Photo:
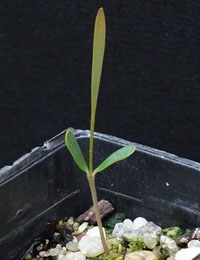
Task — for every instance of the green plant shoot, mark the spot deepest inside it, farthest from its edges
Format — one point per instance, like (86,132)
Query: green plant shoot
(70,140)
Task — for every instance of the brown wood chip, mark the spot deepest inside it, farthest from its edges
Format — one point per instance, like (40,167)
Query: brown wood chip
(105,208)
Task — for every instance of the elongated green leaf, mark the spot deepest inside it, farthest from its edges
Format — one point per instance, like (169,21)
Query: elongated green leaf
(98,54)
(117,156)
(75,150)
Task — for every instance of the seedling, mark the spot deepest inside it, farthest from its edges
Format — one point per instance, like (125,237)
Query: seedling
(70,140)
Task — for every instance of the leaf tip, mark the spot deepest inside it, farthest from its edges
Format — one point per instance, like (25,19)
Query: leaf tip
(67,132)
(68,135)
(101,9)
(100,13)
(133,148)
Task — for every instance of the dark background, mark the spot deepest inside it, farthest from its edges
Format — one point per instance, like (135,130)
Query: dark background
(150,91)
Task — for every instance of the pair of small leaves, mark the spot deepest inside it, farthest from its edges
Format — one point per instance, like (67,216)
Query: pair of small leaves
(77,155)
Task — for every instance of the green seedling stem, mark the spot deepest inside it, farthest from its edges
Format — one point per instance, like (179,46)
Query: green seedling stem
(70,140)
(97,62)
(91,180)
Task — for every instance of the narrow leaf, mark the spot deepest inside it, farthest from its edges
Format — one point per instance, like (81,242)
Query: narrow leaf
(98,54)
(117,156)
(75,150)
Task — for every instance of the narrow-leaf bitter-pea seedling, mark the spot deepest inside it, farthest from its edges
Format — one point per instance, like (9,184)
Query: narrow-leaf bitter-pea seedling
(70,140)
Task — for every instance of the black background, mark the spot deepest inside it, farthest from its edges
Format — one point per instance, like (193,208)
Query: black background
(150,89)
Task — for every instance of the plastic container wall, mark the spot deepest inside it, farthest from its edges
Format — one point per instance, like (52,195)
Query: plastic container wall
(46,185)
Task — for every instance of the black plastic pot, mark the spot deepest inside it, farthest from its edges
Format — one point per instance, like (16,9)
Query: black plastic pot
(45,184)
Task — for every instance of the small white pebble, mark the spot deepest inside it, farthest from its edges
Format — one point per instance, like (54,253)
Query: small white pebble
(116,230)
(139,222)
(140,255)
(72,246)
(187,253)
(194,243)
(82,227)
(73,256)
(60,257)
(150,241)
(90,246)
(169,244)
(127,223)
(44,254)
(94,232)
(55,251)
